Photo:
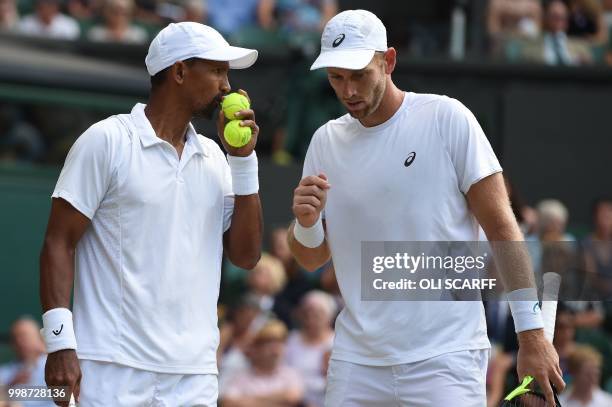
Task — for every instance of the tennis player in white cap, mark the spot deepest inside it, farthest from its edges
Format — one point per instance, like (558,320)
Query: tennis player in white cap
(142,211)
(403,166)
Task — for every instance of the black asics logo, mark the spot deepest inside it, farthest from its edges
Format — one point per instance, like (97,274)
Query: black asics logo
(410,159)
(338,40)
(56,332)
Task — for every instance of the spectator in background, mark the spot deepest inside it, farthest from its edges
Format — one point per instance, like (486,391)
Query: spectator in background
(525,215)
(584,364)
(586,21)
(245,319)
(229,17)
(554,47)
(82,10)
(29,367)
(194,10)
(304,15)
(19,140)
(9,16)
(565,337)
(298,282)
(266,280)
(553,215)
(267,382)
(521,18)
(308,348)
(48,22)
(597,248)
(118,25)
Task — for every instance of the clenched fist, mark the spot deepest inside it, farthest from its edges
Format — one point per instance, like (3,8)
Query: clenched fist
(309,199)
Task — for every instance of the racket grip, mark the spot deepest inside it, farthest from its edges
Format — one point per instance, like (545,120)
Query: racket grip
(550,294)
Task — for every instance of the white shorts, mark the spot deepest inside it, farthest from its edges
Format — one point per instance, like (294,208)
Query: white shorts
(451,379)
(107,384)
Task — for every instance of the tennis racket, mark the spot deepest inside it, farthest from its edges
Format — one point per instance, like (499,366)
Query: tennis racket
(526,394)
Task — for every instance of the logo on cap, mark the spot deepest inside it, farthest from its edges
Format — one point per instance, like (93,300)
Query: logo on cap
(338,40)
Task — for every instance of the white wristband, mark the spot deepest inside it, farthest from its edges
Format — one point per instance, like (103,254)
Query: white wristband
(525,309)
(58,331)
(244,170)
(311,237)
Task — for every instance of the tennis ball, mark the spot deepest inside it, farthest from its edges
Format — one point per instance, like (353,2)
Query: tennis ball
(234,102)
(237,135)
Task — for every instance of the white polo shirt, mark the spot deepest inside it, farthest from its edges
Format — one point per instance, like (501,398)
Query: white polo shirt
(148,267)
(403,180)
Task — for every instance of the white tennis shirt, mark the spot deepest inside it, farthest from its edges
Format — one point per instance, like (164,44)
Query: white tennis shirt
(376,196)
(148,267)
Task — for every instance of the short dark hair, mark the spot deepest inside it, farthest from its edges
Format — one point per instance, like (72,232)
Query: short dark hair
(159,78)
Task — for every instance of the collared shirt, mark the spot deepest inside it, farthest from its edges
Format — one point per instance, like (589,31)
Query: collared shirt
(556,51)
(148,267)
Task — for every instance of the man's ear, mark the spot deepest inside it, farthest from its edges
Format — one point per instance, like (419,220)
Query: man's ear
(390,57)
(177,72)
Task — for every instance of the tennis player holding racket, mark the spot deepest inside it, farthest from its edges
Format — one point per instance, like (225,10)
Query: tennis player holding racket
(403,166)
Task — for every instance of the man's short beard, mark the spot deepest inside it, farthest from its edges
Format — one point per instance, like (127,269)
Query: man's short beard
(378,92)
(209,110)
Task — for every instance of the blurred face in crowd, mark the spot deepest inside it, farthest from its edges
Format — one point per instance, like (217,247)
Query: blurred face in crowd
(117,13)
(588,375)
(267,354)
(315,316)
(243,317)
(205,82)
(564,329)
(26,339)
(47,10)
(360,91)
(279,245)
(603,218)
(7,13)
(556,17)
(260,279)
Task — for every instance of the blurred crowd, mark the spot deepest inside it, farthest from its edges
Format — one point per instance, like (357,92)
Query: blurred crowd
(137,21)
(552,32)
(545,32)
(276,322)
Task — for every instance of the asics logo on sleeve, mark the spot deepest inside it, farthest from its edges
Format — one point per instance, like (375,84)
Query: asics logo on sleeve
(56,332)
(410,159)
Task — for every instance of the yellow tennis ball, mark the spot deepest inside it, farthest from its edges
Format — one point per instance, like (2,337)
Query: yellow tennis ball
(234,102)
(237,135)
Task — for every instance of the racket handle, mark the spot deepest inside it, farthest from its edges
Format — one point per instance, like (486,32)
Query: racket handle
(550,294)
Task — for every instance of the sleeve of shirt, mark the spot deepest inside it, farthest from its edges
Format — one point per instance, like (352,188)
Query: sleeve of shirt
(311,160)
(468,147)
(228,194)
(87,171)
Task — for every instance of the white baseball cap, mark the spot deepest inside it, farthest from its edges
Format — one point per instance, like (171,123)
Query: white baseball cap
(181,41)
(350,40)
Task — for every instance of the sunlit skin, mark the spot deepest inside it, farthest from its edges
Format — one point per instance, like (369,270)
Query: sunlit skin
(368,94)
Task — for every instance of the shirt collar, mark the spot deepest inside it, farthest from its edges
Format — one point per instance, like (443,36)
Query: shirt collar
(147,135)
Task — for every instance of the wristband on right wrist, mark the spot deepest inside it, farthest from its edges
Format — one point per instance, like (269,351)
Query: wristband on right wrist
(311,237)
(525,309)
(58,331)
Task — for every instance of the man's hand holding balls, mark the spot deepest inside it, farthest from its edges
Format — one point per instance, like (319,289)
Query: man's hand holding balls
(241,131)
